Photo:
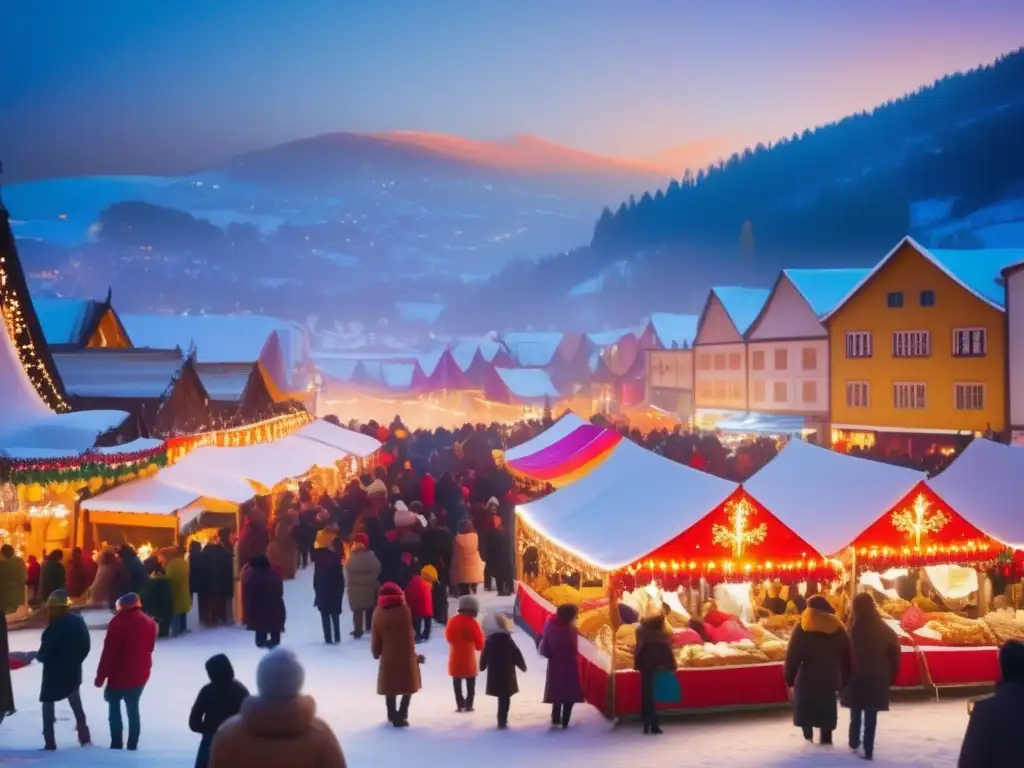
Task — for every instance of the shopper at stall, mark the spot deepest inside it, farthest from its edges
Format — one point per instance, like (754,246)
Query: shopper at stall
(278,727)
(304,534)
(219,559)
(13,578)
(559,644)
(124,667)
(362,572)
(993,732)
(818,665)
(135,570)
(500,659)
(63,648)
(465,640)
(282,551)
(393,643)
(157,599)
(467,565)
(653,655)
(111,581)
(876,662)
(263,595)
(329,588)
(181,592)
(52,575)
(33,573)
(217,701)
(79,576)
(500,563)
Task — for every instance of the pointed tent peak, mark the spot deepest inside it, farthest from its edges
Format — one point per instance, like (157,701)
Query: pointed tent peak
(110,297)
(447,375)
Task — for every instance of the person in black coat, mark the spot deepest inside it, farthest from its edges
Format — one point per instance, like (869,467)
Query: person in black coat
(876,662)
(263,595)
(499,557)
(329,589)
(198,577)
(52,575)
(818,665)
(499,659)
(220,564)
(653,654)
(993,732)
(217,701)
(137,575)
(63,647)
(304,534)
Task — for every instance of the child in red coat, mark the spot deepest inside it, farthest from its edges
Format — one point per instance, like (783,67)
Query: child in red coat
(419,598)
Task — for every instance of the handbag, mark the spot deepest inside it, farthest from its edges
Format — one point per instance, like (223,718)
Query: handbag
(666,687)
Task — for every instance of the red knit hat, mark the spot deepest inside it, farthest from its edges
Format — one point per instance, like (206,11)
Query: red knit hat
(390,595)
(362,540)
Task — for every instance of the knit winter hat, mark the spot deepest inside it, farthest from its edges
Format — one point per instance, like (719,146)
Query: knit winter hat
(497,623)
(469,604)
(429,573)
(390,595)
(58,599)
(377,486)
(279,675)
(493,502)
(128,601)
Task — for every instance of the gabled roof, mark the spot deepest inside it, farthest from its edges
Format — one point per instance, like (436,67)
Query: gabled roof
(528,383)
(225,382)
(978,271)
(68,322)
(217,338)
(534,350)
(823,289)
(674,331)
(118,373)
(607,338)
(741,306)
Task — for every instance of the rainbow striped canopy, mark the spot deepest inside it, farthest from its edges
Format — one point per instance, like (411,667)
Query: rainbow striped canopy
(569,458)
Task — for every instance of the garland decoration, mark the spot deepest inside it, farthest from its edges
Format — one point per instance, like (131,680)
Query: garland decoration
(116,467)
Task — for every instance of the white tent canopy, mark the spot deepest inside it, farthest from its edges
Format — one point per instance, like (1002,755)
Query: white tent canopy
(985,484)
(828,498)
(632,504)
(567,424)
(208,482)
(150,495)
(354,443)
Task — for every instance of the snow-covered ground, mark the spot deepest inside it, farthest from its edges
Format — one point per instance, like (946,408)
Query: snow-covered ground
(343,679)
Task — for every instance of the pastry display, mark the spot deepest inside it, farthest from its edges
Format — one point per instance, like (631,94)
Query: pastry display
(951,629)
(1005,625)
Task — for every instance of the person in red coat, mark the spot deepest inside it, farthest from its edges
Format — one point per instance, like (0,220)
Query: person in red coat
(263,595)
(427,496)
(419,598)
(125,666)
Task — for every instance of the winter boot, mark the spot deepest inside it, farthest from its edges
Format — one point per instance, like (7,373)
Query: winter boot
(84,737)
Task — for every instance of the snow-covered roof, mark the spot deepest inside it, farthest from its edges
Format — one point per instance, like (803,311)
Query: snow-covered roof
(586,517)
(354,443)
(341,369)
(64,321)
(118,373)
(151,495)
(217,338)
(534,349)
(829,498)
(743,305)
(675,331)
(568,423)
(464,350)
(985,484)
(528,383)
(422,312)
(66,433)
(977,271)
(225,383)
(823,289)
(607,338)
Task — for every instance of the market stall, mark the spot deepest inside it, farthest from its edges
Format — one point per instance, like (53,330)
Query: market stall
(925,563)
(644,535)
(578,453)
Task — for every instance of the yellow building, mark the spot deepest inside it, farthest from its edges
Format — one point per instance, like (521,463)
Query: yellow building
(918,346)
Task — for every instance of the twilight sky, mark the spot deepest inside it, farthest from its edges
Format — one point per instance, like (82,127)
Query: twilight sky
(149,85)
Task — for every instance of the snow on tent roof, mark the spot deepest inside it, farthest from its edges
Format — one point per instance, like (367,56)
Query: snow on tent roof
(675,331)
(568,423)
(355,443)
(217,338)
(424,312)
(134,446)
(985,484)
(533,350)
(980,270)
(829,498)
(114,373)
(823,289)
(528,383)
(743,305)
(464,350)
(151,495)
(63,320)
(586,517)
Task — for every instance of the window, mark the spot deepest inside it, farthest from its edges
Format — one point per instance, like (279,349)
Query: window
(858,343)
(894,300)
(759,390)
(809,360)
(735,390)
(781,359)
(703,362)
(809,392)
(908,395)
(757,360)
(927,298)
(969,397)
(720,390)
(911,344)
(970,342)
(735,361)
(705,391)
(720,361)
(857,394)
(779,392)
